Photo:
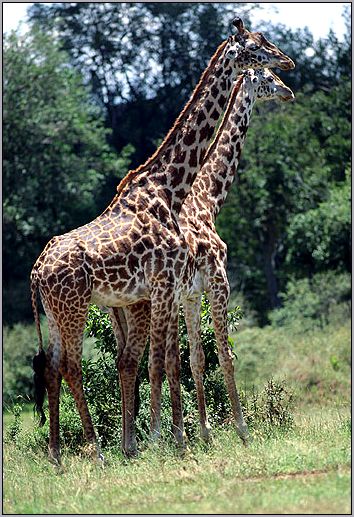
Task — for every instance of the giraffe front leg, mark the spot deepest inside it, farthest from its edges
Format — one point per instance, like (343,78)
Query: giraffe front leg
(192,309)
(219,297)
(173,365)
(164,345)
(138,320)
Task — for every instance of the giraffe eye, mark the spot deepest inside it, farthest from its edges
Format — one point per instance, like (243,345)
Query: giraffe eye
(270,80)
(253,47)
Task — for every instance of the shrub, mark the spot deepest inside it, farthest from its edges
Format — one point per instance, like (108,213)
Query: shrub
(19,348)
(268,409)
(271,407)
(311,302)
(102,390)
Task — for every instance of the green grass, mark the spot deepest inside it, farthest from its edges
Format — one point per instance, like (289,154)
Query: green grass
(304,470)
(316,364)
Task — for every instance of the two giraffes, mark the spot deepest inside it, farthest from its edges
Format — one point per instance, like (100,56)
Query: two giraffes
(155,247)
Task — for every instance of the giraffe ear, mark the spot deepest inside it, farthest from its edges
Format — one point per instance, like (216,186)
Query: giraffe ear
(238,23)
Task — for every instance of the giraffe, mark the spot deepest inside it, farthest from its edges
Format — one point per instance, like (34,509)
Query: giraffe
(197,222)
(134,250)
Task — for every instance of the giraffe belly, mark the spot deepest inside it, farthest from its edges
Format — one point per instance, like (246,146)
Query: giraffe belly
(110,297)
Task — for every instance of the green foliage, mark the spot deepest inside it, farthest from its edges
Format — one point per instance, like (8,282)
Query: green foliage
(142,60)
(309,302)
(56,157)
(101,385)
(18,350)
(99,326)
(102,390)
(319,239)
(266,409)
(291,204)
(287,216)
(269,409)
(14,429)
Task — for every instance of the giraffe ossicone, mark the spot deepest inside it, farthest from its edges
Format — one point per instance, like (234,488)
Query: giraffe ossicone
(134,252)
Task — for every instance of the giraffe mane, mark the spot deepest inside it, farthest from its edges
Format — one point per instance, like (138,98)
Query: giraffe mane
(225,118)
(134,172)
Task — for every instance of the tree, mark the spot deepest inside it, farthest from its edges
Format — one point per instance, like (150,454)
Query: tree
(141,60)
(140,63)
(319,239)
(293,164)
(56,158)
(287,216)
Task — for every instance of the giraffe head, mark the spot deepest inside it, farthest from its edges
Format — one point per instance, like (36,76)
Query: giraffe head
(267,85)
(253,50)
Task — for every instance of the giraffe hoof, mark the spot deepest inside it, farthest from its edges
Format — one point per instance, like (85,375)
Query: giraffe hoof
(101,460)
(206,435)
(54,457)
(244,434)
(131,454)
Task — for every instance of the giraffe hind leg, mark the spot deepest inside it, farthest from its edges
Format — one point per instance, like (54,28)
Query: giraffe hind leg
(164,353)
(52,382)
(172,366)
(71,334)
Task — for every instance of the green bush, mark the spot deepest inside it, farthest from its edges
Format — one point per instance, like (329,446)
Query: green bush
(269,407)
(103,393)
(102,389)
(314,302)
(20,343)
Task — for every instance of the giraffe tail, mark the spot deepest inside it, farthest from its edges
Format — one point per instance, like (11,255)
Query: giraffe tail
(39,360)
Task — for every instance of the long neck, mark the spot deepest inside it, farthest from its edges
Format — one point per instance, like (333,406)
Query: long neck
(171,171)
(215,178)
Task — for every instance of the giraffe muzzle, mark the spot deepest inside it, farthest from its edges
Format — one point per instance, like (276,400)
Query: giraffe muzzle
(287,64)
(288,96)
